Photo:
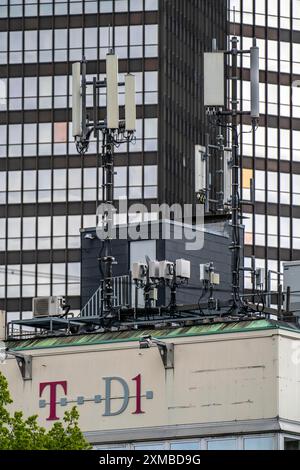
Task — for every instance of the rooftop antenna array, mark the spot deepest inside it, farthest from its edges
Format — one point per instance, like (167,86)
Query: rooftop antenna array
(113,131)
(210,279)
(152,274)
(52,314)
(228,119)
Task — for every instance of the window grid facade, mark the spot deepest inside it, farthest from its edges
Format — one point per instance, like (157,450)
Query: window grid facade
(258,442)
(47,191)
(271,155)
(247,442)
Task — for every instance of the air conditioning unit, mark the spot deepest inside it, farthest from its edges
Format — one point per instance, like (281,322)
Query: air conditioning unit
(48,306)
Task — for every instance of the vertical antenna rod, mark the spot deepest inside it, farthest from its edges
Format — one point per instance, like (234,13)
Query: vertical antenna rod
(235,179)
(108,259)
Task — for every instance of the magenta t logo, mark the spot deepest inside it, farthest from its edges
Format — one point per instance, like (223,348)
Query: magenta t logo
(113,403)
(53,387)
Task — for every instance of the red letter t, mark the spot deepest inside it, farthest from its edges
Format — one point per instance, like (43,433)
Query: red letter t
(53,385)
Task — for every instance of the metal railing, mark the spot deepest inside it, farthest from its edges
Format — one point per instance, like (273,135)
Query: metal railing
(122,287)
(19,333)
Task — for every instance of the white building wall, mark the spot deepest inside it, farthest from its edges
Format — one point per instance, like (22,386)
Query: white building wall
(217,380)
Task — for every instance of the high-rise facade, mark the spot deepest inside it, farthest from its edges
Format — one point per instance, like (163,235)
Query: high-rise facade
(271,155)
(48,192)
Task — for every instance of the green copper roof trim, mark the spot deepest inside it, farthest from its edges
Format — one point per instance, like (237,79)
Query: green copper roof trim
(133,336)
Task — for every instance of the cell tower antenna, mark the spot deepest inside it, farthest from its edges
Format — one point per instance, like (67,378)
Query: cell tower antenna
(214,79)
(114,132)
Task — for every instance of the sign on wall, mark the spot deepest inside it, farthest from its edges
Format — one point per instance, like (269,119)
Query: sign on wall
(60,395)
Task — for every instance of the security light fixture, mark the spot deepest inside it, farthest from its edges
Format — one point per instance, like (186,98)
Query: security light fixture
(89,236)
(24,363)
(166,350)
(145,342)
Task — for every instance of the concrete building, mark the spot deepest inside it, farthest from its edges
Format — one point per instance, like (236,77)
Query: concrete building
(231,385)
(213,242)
(271,155)
(207,383)
(48,193)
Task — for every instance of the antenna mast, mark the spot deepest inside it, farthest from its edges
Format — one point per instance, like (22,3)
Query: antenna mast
(114,132)
(214,101)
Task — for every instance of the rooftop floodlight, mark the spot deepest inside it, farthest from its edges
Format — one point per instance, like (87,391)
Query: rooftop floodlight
(24,362)
(130,105)
(166,350)
(76,100)
(112,91)
(89,236)
(145,342)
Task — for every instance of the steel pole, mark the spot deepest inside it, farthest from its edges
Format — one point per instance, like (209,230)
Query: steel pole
(107,155)
(235,179)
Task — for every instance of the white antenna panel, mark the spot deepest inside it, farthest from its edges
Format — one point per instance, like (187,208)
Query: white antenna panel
(130,106)
(214,79)
(254,73)
(112,91)
(76,100)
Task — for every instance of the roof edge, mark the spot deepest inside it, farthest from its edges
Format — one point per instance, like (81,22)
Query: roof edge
(271,325)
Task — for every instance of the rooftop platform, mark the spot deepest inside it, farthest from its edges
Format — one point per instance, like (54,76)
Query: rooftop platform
(89,339)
